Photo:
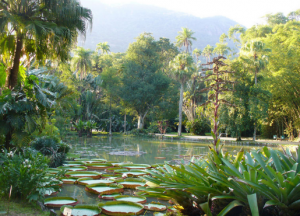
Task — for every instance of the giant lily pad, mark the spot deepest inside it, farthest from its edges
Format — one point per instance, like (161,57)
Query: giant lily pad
(121,208)
(60,201)
(109,196)
(99,165)
(104,189)
(74,168)
(82,210)
(88,181)
(135,166)
(82,174)
(114,169)
(137,199)
(155,207)
(132,173)
(69,180)
(53,170)
(111,176)
(51,192)
(73,163)
(131,183)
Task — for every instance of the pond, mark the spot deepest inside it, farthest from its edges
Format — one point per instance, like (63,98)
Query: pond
(138,151)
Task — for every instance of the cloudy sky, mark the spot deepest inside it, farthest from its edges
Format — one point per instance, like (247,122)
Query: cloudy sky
(245,12)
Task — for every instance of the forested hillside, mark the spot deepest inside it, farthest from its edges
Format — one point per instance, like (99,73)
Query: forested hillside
(119,25)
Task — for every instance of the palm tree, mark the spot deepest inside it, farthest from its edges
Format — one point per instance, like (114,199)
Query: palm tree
(256,49)
(42,27)
(182,68)
(82,61)
(207,52)
(221,49)
(197,53)
(104,47)
(185,38)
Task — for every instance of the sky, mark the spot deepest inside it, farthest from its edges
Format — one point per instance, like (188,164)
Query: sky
(245,12)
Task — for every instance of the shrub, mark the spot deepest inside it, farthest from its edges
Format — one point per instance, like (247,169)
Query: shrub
(139,132)
(198,126)
(25,171)
(53,148)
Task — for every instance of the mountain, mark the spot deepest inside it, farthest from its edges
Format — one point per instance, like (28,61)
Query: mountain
(119,25)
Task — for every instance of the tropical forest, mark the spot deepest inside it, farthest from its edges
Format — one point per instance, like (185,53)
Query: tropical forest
(189,116)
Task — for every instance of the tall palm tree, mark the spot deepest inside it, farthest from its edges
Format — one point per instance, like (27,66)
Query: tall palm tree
(208,52)
(182,68)
(197,53)
(221,49)
(104,47)
(257,50)
(82,61)
(44,27)
(185,38)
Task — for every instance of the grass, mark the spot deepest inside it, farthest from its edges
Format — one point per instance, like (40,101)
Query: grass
(20,208)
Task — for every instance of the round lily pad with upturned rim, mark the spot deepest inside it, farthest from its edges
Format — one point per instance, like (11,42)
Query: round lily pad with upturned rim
(60,201)
(131,183)
(108,176)
(53,170)
(82,210)
(88,181)
(137,199)
(101,166)
(155,207)
(74,168)
(73,163)
(104,189)
(82,174)
(136,166)
(51,192)
(109,196)
(113,169)
(116,208)
(69,180)
(131,173)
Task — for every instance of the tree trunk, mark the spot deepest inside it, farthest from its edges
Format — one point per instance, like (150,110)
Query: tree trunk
(110,123)
(255,76)
(12,78)
(125,123)
(180,110)
(8,138)
(254,133)
(140,122)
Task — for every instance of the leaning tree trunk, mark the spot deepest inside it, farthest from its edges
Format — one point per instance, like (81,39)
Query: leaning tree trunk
(140,122)
(180,110)
(12,78)
(254,133)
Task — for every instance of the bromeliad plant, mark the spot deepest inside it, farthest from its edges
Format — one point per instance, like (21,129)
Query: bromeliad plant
(263,182)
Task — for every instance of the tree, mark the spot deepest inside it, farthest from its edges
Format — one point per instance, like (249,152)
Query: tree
(256,49)
(221,49)
(142,80)
(185,39)
(103,47)
(82,61)
(182,68)
(43,28)
(207,52)
(197,53)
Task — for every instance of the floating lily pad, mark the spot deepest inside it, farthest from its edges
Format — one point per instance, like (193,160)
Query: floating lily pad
(111,176)
(88,181)
(114,169)
(69,180)
(82,174)
(53,170)
(101,166)
(121,208)
(82,210)
(52,182)
(60,201)
(133,173)
(74,168)
(155,207)
(135,166)
(131,183)
(158,214)
(109,196)
(104,189)
(116,164)
(98,160)
(137,199)
(157,165)
(73,163)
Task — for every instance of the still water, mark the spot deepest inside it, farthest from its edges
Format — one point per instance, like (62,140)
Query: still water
(135,150)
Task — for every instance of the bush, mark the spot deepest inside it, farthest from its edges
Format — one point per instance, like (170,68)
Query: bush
(198,126)
(53,148)
(25,171)
(139,132)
